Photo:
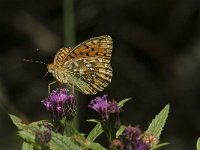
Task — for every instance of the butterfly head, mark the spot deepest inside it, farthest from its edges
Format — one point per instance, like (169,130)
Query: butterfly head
(51,68)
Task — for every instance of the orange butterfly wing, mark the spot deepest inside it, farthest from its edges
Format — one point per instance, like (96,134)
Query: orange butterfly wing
(86,66)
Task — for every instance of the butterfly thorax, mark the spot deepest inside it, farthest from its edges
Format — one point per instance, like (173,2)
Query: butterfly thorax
(56,68)
(58,72)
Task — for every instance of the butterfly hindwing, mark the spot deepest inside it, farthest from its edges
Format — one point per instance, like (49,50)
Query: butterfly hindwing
(89,75)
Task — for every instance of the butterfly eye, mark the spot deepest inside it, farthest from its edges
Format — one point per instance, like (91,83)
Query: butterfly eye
(50,68)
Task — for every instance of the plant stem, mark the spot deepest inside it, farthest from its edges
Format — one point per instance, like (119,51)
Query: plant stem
(69,34)
(69,22)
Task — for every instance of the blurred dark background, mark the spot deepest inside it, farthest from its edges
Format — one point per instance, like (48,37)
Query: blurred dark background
(156,61)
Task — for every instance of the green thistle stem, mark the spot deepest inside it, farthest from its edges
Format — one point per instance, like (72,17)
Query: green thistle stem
(69,35)
(69,23)
(110,131)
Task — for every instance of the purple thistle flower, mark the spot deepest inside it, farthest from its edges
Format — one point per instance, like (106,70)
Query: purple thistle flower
(134,138)
(60,104)
(132,133)
(106,109)
(109,112)
(142,146)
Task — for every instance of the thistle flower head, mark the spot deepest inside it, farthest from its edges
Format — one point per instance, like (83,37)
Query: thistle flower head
(109,112)
(132,133)
(105,108)
(60,104)
(149,139)
(117,144)
(134,138)
(43,138)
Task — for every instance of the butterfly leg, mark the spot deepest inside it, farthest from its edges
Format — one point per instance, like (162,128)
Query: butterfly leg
(49,86)
(61,85)
(73,88)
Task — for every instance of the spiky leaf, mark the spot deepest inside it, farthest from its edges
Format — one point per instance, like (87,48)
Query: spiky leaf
(93,120)
(17,121)
(122,102)
(27,146)
(59,142)
(28,133)
(158,122)
(120,131)
(155,147)
(29,138)
(95,132)
(95,146)
(198,144)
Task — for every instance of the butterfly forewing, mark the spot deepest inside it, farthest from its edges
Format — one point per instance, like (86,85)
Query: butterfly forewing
(86,66)
(99,46)
(59,59)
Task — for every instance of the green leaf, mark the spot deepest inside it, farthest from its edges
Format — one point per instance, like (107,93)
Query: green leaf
(27,133)
(59,142)
(159,146)
(198,144)
(121,103)
(29,138)
(17,121)
(27,146)
(39,123)
(70,130)
(96,131)
(37,126)
(93,120)
(95,146)
(158,122)
(120,131)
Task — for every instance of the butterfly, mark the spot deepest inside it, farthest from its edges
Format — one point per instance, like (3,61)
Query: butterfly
(85,67)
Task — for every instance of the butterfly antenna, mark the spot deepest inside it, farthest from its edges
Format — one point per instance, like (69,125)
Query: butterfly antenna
(31,61)
(45,74)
